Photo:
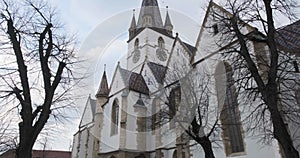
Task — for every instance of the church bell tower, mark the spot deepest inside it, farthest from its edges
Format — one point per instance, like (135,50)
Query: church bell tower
(149,37)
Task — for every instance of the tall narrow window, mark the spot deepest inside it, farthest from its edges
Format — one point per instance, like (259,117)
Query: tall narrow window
(115,117)
(154,115)
(174,100)
(136,44)
(230,115)
(215,29)
(175,154)
(296,66)
(161,53)
(161,43)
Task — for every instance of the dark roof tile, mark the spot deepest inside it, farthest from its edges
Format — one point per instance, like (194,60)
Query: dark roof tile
(134,81)
(158,71)
(288,38)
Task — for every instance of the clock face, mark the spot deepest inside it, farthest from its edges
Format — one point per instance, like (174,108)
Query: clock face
(161,54)
(136,56)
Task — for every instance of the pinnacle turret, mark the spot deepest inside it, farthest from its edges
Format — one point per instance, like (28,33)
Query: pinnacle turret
(103,90)
(168,24)
(132,29)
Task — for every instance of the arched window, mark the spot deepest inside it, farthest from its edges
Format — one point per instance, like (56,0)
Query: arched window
(161,43)
(136,44)
(230,114)
(115,117)
(174,100)
(154,115)
(175,154)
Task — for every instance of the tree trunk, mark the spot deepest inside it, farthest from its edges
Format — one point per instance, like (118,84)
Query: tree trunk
(26,142)
(280,130)
(283,137)
(24,152)
(206,146)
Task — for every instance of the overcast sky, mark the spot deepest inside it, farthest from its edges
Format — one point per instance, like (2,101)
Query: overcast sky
(101,26)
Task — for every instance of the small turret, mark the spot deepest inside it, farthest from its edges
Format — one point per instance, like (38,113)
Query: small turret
(168,24)
(103,90)
(132,29)
(102,98)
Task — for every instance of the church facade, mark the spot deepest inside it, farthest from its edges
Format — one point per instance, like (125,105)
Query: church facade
(131,116)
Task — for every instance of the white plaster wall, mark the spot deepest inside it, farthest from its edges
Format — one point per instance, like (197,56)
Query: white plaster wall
(75,145)
(131,141)
(90,145)
(82,147)
(168,137)
(110,142)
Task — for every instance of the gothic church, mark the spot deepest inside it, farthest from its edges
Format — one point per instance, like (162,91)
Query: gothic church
(126,118)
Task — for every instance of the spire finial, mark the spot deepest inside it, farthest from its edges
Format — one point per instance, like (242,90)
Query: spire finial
(104,67)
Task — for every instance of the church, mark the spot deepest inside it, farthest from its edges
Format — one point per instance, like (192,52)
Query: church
(145,111)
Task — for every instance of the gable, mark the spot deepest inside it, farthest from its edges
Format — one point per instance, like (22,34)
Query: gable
(88,113)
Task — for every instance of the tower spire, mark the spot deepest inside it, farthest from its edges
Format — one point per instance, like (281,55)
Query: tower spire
(168,24)
(103,90)
(147,3)
(150,15)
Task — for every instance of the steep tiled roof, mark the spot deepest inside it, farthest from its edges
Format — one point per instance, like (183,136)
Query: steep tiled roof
(288,38)
(134,81)
(125,74)
(158,71)
(138,84)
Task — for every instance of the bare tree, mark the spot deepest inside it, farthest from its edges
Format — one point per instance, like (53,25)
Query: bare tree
(36,71)
(265,77)
(186,103)
(8,138)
